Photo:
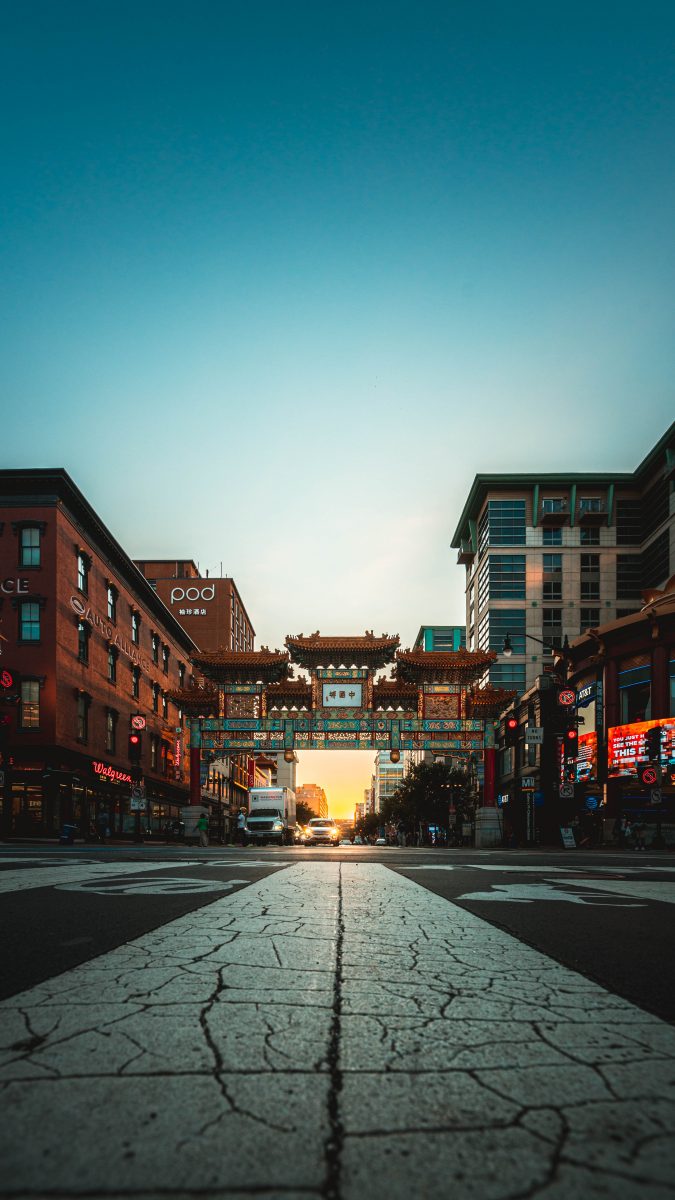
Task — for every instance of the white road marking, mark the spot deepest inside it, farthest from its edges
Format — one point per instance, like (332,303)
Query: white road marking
(464,1056)
(21,881)
(640,889)
(531,893)
(150,887)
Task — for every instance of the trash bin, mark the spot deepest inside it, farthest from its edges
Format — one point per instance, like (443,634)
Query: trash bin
(68,835)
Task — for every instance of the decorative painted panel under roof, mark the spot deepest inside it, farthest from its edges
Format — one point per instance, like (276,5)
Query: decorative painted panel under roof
(244,666)
(443,666)
(366,651)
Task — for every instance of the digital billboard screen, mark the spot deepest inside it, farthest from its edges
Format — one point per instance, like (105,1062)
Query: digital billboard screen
(626,746)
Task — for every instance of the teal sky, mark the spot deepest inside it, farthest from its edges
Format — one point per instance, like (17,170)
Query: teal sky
(278,279)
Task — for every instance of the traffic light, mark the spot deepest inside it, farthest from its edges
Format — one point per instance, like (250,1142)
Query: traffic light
(511,731)
(135,747)
(572,742)
(653,743)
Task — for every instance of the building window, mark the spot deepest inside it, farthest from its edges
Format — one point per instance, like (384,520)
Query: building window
(628,523)
(135,628)
(589,535)
(552,625)
(136,682)
(155,648)
(508,675)
(165,659)
(112,664)
(29,546)
(552,536)
(153,752)
(496,624)
(110,730)
(625,612)
(635,693)
(163,758)
(628,577)
(83,635)
(590,504)
(29,709)
(590,576)
(83,702)
(553,504)
(83,568)
(165,706)
(502,524)
(655,507)
(181,674)
(29,621)
(656,561)
(155,697)
(112,603)
(552,577)
(506,575)
(589,619)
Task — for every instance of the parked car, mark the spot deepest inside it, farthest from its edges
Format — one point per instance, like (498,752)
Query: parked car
(380,841)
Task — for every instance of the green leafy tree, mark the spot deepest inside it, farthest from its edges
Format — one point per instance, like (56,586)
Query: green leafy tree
(303,813)
(369,825)
(425,796)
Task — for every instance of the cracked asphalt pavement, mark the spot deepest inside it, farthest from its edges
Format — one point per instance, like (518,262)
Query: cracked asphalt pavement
(332,1027)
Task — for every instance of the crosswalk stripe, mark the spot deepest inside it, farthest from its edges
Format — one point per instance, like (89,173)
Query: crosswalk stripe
(336,1012)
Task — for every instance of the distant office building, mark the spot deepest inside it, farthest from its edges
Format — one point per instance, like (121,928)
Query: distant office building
(314,797)
(388,777)
(210,609)
(285,772)
(441,637)
(549,556)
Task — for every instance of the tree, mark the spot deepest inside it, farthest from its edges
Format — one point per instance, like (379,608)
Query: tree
(303,813)
(368,826)
(425,796)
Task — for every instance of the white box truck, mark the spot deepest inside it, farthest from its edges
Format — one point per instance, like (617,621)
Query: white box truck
(271,816)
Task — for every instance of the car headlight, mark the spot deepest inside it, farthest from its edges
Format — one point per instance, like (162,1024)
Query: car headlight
(278,825)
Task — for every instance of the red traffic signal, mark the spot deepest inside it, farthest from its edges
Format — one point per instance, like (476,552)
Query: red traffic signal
(511,730)
(571,743)
(7,679)
(135,747)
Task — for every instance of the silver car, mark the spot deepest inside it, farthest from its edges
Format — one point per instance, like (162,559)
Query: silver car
(322,831)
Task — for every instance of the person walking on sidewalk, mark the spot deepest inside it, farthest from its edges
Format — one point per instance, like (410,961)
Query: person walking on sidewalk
(203,827)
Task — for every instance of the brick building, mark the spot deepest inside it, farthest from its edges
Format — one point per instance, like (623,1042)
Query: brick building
(210,609)
(90,643)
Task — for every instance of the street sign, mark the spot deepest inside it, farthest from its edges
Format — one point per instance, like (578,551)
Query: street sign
(527,783)
(137,802)
(567,836)
(648,775)
(567,697)
(138,721)
(567,791)
(534,735)
(655,796)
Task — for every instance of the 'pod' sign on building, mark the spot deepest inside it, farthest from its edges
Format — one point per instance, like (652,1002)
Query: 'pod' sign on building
(202,606)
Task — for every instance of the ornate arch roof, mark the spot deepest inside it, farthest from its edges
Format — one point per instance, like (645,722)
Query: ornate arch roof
(366,651)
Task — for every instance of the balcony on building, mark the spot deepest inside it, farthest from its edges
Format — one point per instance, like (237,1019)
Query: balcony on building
(466,553)
(554,511)
(591,510)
